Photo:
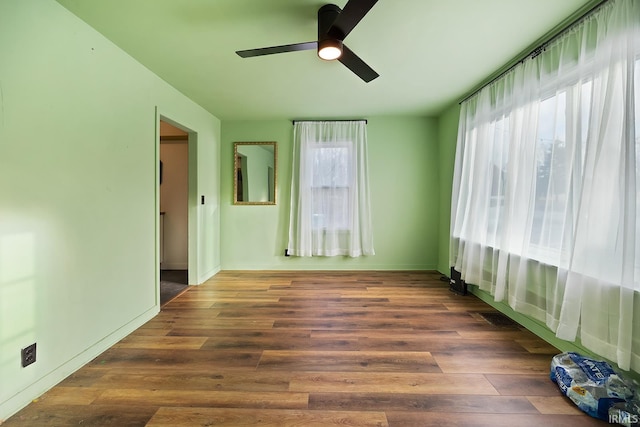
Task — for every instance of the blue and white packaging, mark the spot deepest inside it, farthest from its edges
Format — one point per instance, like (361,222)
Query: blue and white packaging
(594,386)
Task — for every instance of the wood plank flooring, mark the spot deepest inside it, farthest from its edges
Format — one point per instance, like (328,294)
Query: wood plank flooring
(315,349)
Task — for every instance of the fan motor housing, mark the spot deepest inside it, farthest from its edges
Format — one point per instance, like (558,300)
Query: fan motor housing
(327,15)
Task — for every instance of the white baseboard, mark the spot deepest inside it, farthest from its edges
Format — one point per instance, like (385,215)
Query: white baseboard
(208,275)
(301,264)
(42,385)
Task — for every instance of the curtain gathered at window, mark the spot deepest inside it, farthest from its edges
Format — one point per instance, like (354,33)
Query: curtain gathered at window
(330,213)
(546,192)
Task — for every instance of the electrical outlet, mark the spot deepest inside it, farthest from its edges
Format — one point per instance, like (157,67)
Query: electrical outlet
(28,355)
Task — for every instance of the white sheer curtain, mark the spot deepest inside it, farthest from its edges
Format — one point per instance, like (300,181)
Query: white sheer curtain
(330,212)
(546,198)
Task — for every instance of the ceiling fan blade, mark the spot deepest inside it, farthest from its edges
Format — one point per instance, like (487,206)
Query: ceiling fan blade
(357,65)
(351,14)
(277,49)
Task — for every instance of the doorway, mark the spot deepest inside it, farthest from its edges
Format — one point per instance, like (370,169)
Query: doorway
(174,210)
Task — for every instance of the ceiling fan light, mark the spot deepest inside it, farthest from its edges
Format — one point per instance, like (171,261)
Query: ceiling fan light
(329,49)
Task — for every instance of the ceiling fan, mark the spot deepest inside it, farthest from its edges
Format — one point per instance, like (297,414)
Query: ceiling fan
(334,25)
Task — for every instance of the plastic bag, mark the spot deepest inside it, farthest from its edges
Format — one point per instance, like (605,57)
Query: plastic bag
(596,388)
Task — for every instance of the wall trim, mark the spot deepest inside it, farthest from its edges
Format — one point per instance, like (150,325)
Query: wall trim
(174,138)
(542,331)
(333,267)
(174,266)
(208,275)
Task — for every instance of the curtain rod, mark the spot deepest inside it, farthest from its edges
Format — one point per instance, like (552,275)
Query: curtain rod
(341,120)
(541,44)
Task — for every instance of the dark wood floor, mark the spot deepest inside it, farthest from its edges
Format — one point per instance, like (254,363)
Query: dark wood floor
(315,349)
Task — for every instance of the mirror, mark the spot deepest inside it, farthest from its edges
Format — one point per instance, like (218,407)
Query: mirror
(254,173)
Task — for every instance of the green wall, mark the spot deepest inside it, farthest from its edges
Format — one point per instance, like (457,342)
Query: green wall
(404,177)
(78,194)
(447,139)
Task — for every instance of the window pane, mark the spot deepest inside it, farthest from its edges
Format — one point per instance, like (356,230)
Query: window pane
(330,207)
(331,182)
(499,161)
(552,165)
(330,166)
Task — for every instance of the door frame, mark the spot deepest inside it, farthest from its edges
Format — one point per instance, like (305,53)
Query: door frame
(192,199)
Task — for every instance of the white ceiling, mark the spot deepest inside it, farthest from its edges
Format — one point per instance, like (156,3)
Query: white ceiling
(429,53)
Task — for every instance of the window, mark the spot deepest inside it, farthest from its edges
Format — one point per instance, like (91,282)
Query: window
(546,200)
(330,190)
